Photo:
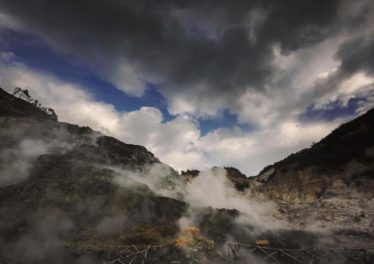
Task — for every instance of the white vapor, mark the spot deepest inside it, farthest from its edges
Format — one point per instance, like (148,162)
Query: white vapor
(16,162)
(211,188)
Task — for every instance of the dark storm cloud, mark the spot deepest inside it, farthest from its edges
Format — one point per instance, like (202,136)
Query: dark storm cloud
(296,24)
(182,44)
(357,55)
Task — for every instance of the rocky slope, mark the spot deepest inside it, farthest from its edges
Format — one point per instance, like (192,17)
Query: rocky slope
(330,184)
(67,186)
(342,161)
(69,194)
(22,105)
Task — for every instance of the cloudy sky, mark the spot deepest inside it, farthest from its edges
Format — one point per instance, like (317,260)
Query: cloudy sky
(199,83)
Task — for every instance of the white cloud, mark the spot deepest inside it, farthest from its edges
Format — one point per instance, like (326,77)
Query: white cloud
(252,151)
(359,85)
(7,21)
(177,142)
(291,88)
(172,141)
(196,100)
(127,78)
(366,105)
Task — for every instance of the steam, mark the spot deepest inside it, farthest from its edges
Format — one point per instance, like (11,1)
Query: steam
(16,162)
(158,177)
(207,193)
(112,225)
(211,188)
(43,241)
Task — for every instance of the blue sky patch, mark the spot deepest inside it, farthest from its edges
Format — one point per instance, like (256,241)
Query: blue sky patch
(332,111)
(224,120)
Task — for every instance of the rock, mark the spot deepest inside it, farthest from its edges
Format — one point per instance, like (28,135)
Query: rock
(21,104)
(339,165)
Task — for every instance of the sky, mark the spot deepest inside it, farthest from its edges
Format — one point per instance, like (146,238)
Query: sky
(199,83)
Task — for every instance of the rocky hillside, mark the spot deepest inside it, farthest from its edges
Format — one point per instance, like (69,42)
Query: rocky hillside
(342,161)
(330,184)
(69,194)
(64,186)
(21,104)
